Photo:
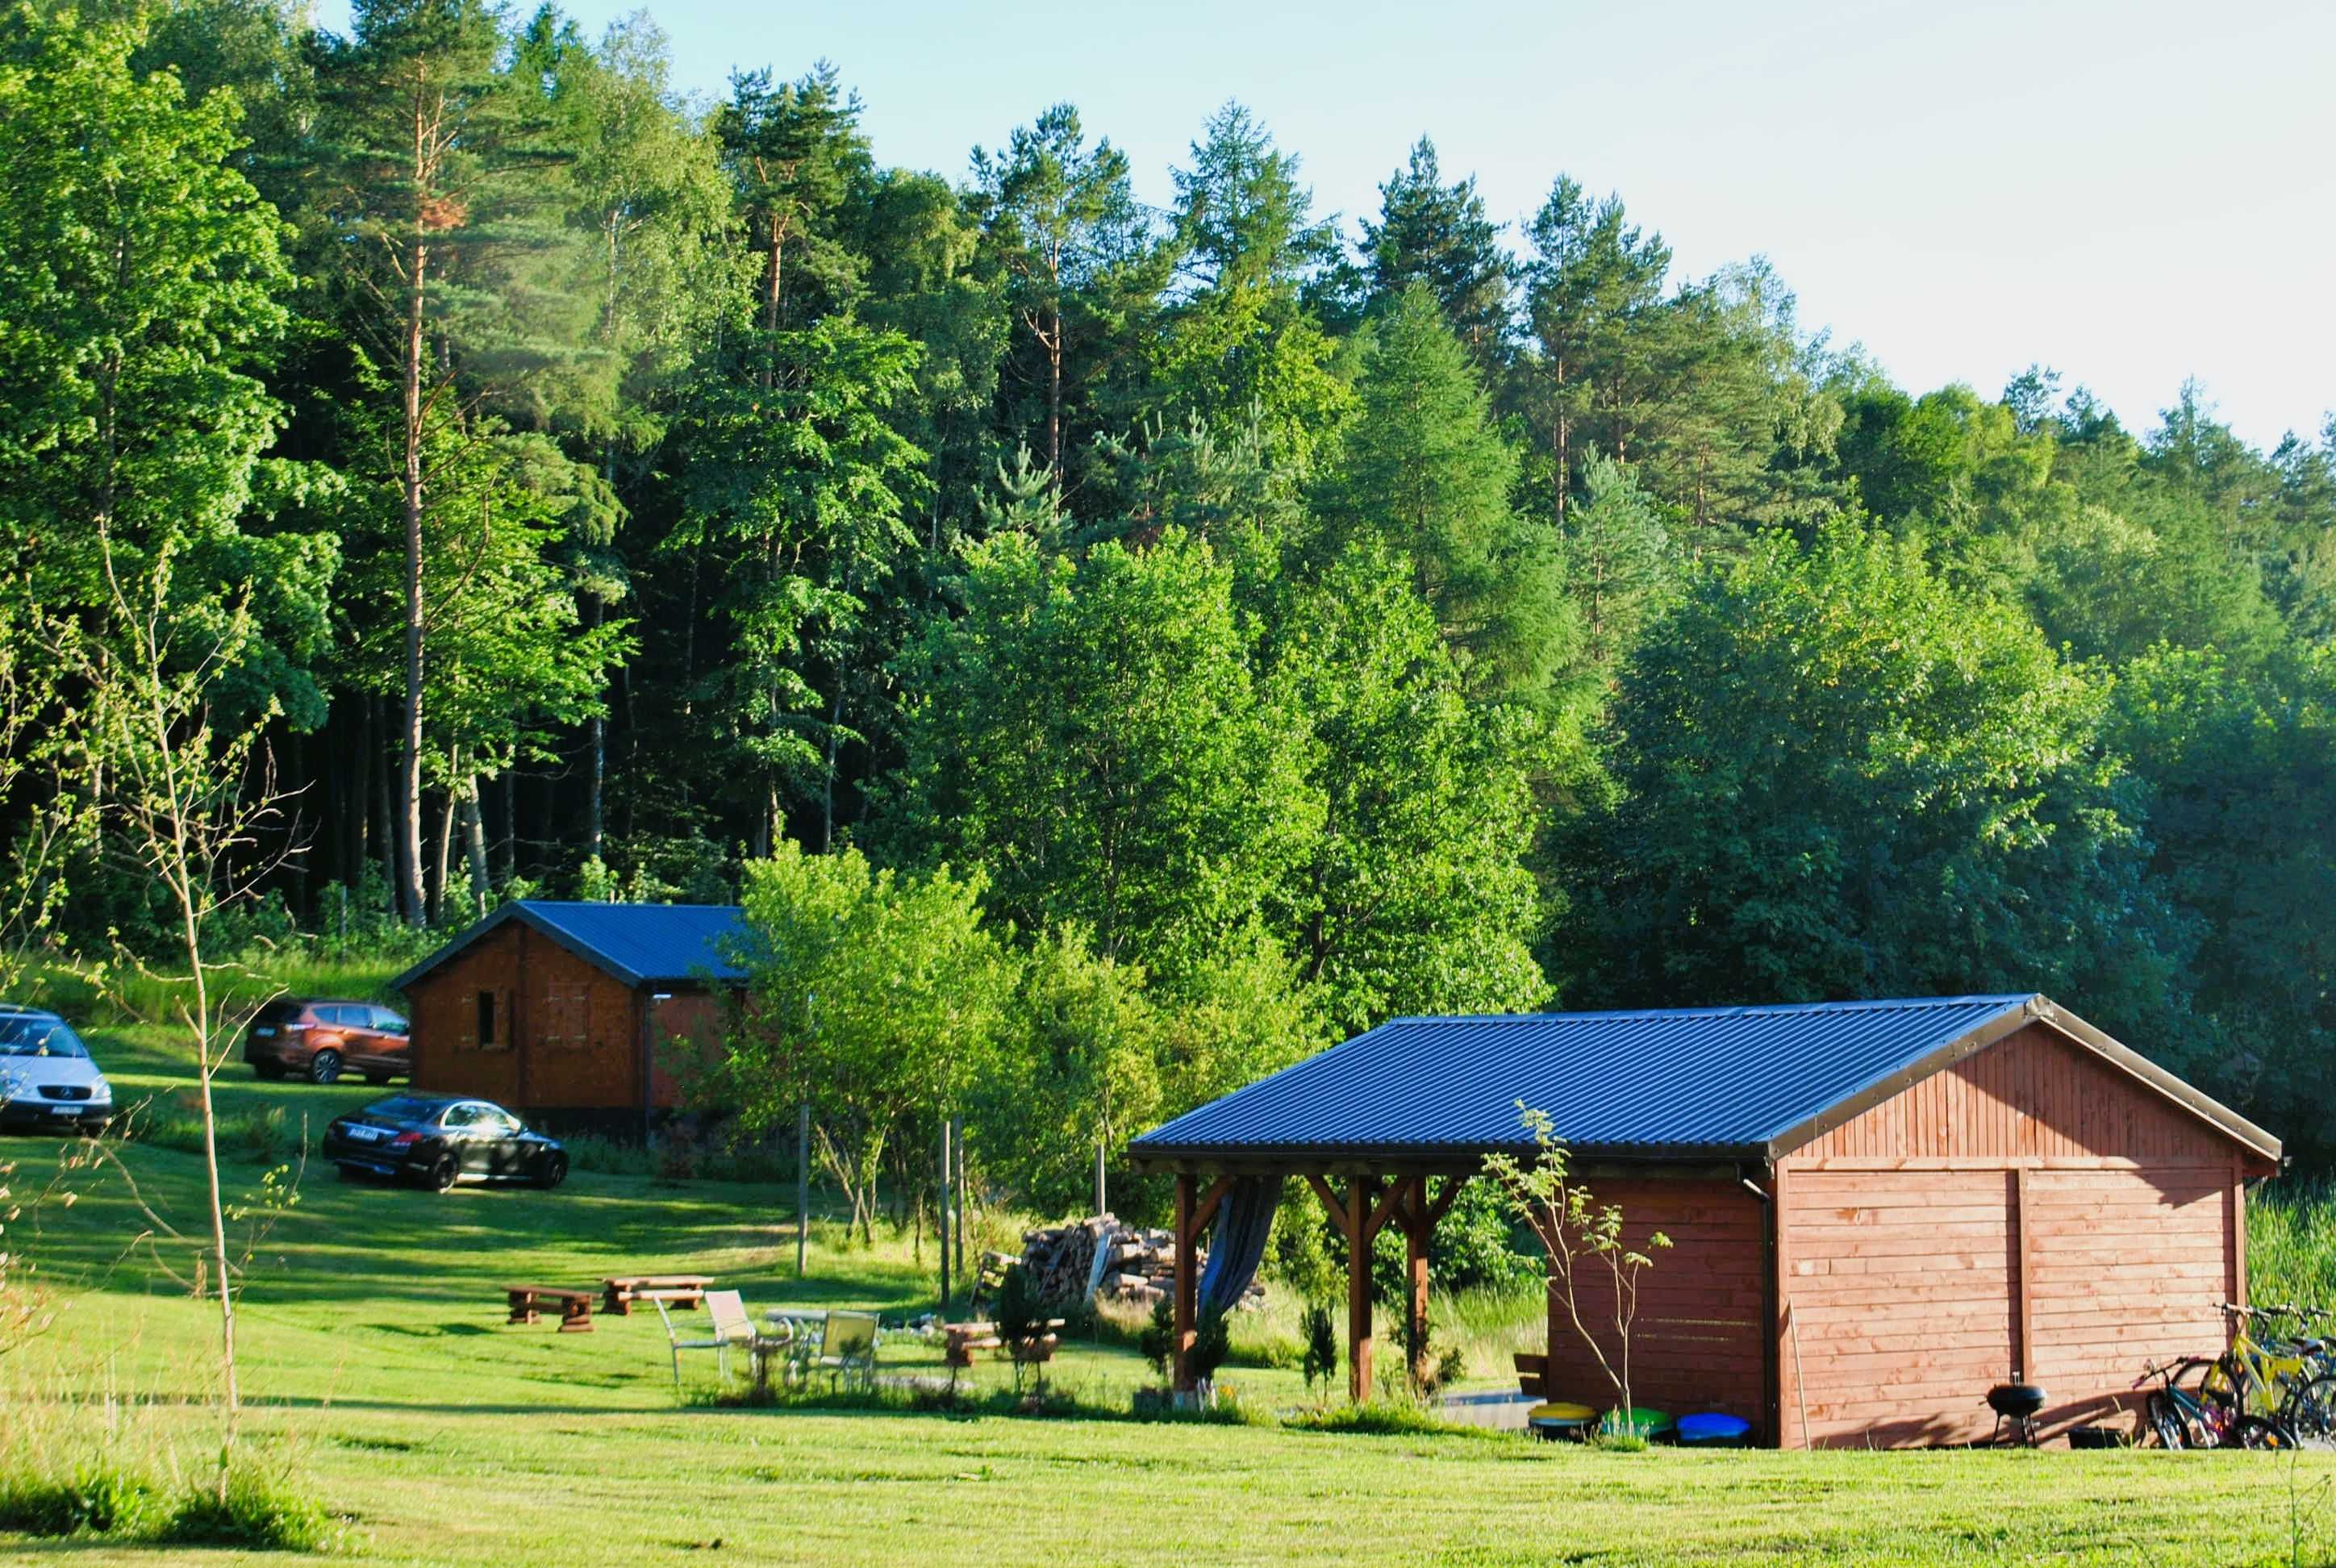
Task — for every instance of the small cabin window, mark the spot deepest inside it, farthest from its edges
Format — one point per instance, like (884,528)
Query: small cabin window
(486,1021)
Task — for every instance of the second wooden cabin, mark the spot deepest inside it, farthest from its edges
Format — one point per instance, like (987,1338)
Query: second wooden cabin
(567,1011)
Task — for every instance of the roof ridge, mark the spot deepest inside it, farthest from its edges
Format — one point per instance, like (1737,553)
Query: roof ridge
(612,904)
(1737,1009)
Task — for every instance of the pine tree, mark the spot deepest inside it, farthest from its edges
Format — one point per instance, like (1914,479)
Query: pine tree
(1425,470)
(794,152)
(1616,558)
(1062,218)
(1438,234)
(646,194)
(434,195)
(1240,346)
(1592,282)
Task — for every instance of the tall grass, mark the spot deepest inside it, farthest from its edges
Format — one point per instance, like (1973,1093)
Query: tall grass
(80,1462)
(92,993)
(2291,1242)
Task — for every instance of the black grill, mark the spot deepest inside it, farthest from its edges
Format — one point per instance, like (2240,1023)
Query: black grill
(65,1091)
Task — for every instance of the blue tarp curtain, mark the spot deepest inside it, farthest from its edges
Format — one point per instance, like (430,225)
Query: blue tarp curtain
(1237,1245)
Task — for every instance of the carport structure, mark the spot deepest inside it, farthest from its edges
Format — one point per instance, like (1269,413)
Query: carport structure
(1877,1209)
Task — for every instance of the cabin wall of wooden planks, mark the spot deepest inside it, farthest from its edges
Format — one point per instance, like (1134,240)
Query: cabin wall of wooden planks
(1697,1342)
(566,1034)
(2030,1211)
(685,1036)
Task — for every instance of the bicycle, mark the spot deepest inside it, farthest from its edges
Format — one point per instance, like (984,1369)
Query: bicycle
(2286,1379)
(2186,1418)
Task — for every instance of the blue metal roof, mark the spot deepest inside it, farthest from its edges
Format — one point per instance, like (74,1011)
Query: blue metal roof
(641,944)
(1711,1081)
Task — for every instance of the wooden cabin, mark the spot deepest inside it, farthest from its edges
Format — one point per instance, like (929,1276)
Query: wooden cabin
(569,1012)
(1877,1209)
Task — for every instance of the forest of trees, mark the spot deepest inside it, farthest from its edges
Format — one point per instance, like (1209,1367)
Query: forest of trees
(1273,623)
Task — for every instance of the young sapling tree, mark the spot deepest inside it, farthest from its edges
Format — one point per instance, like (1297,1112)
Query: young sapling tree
(1589,1261)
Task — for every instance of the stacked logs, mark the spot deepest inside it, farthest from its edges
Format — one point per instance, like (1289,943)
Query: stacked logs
(1099,1257)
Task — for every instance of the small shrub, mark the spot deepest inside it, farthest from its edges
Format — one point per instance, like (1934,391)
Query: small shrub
(95,1498)
(608,1157)
(263,1139)
(1321,1344)
(1158,1341)
(1387,1418)
(1212,1343)
(257,1511)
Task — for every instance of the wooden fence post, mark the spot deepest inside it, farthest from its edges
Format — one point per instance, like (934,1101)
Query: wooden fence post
(802,1186)
(943,1230)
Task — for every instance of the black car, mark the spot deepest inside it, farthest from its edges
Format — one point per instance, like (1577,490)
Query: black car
(437,1141)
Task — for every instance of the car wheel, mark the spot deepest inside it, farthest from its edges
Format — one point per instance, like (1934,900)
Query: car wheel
(555,1171)
(325,1067)
(442,1172)
(272,1072)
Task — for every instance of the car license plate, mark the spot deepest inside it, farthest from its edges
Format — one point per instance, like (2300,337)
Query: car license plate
(65,1110)
(364,1134)
(266,1032)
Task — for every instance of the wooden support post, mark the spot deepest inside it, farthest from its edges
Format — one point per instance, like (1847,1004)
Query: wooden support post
(2234,1241)
(1359,1288)
(1788,1382)
(1188,1282)
(1419,1226)
(2024,1367)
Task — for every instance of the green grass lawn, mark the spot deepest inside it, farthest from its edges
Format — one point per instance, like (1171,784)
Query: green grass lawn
(381,1373)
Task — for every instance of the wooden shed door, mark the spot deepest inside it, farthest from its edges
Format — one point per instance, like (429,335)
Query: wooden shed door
(1903,1310)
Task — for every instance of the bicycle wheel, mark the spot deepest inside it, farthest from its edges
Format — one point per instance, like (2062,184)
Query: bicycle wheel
(2165,1421)
(2310,1411)
(2264,1436)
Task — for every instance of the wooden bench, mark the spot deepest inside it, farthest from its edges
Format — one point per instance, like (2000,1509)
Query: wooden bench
(575,1306)
(687,1291)
(1532,1375)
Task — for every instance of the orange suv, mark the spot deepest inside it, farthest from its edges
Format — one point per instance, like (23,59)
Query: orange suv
(320,1040)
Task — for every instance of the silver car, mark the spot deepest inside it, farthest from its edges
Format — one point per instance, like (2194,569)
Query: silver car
(46,1077)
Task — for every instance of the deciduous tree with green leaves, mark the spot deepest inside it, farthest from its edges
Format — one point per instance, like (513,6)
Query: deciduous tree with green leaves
(1413,895)
(874,997)
(145,282)
(1089,730)
(1836,777)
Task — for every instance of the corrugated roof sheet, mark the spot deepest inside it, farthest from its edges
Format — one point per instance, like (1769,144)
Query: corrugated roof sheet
(641,944)
(1709,1080)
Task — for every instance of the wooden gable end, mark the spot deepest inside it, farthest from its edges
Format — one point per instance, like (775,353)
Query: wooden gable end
(2033,1095)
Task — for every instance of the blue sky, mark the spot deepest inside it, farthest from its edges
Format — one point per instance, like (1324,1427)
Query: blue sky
(2130,192)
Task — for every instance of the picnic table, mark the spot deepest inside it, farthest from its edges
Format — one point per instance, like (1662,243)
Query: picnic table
(687,1291)
(575,1306)
(962,1339)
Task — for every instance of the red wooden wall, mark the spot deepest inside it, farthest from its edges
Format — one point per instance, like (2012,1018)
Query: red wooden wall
(567,1034)
(2030,1211)
(1696,1344)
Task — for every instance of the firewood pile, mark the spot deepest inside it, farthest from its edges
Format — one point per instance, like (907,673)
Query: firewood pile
(1095,1257)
